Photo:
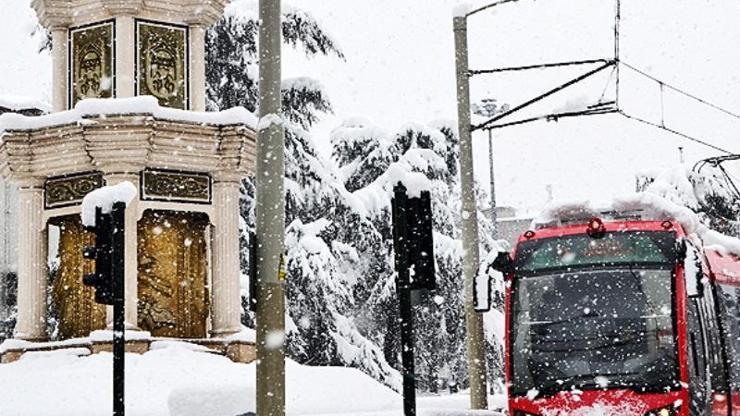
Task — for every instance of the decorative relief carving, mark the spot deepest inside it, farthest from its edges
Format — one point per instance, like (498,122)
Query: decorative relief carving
(176,186)
(92,69)
(69,190)
(162,63)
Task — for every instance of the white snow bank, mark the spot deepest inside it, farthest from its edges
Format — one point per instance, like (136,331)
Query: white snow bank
(17,103)
(161,345)
(649,206)
(171,379)
(214,400)
(105,198)
(144,105)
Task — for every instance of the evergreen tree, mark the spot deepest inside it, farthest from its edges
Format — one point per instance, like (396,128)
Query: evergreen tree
(370,161)
(326,226)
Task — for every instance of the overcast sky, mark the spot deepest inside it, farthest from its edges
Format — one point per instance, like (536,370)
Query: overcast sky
(400,67)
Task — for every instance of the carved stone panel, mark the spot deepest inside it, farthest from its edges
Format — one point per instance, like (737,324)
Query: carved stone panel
(69,190)
(91,62)
(162,185)
(162,62)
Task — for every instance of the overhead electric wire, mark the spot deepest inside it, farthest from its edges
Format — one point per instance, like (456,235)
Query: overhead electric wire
(680,91)
(615,63)
(482,8)
(676,132)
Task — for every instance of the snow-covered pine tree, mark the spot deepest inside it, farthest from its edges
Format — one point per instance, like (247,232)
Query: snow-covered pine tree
(326,225)
(706,190)
(369,159)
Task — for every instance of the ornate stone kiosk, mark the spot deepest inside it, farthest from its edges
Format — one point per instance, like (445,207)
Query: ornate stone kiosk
(182,234)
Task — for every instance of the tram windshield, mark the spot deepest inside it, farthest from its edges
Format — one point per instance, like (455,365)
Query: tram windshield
(600,317)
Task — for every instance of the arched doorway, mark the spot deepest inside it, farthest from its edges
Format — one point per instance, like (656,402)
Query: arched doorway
(72,302)
(173,274)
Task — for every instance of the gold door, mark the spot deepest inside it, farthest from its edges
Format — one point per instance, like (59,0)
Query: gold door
(73,302)
(173,274)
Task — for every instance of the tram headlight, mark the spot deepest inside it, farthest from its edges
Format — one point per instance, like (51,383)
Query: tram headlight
(664,411)
(520,413)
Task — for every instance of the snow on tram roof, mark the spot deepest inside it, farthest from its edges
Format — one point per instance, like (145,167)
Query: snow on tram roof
(641,206)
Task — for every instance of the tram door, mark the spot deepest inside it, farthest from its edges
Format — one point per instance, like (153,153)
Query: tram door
(173,274)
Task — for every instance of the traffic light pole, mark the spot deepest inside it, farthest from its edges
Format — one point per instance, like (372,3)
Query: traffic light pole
(119,340)
(403,288)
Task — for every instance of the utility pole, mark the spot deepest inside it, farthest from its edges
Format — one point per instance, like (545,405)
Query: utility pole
(494,216)
(270,219)
(473,320)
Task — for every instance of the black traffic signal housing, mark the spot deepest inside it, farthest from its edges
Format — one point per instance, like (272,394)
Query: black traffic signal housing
(421,242)
(101,253)
(413,238)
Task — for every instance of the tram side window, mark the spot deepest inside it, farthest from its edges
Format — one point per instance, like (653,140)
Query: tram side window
(697,353)
(730,308)
(715,357)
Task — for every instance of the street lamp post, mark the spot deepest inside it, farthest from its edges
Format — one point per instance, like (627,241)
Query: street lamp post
(473,320)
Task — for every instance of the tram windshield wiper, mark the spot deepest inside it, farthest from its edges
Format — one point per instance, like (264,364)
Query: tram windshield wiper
(546,324)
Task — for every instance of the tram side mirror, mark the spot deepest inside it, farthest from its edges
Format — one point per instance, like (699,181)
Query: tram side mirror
(694,275)
(503,263)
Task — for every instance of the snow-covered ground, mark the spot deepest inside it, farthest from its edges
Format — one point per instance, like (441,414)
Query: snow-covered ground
(176,379)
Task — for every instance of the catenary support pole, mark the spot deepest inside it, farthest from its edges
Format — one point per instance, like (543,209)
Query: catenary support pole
(270,219)
(473,320)
(494,216)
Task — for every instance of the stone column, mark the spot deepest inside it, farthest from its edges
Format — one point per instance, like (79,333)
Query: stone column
(59,75)
(125,56)
(197,68)
(32,267)
(226,313)
(131,260)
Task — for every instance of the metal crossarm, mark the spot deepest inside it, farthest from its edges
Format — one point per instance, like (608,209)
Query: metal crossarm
(541,97)
(536,66)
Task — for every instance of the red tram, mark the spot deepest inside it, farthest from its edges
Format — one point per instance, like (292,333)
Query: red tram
(620,317)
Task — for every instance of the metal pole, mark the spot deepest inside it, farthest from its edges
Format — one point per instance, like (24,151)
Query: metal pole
(473,320)
(403,288)
(117,274)
(270,219)
(407,348)
(494,216)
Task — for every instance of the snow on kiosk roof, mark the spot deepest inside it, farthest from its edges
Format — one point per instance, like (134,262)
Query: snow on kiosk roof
(127,135)
(146,105)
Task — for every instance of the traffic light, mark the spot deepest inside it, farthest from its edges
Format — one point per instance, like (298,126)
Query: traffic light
(421,242)
(101,253)
(413,239)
